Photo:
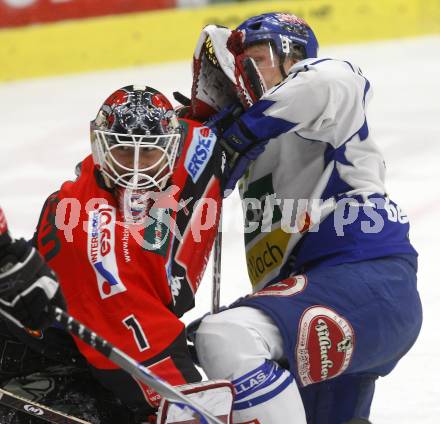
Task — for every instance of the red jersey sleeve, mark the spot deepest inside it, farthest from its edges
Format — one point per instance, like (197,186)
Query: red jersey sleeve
(198,176)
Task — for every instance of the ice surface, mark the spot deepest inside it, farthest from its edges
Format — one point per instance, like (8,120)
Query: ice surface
(44,133)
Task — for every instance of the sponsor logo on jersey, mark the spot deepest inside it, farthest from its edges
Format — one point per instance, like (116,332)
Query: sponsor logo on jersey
(125,239)
(263,209)
(266,255)
(251,383)
(101,250)
(325,345)
(157,231)
(287,287)
(151,396)
(175,284)
(199,152)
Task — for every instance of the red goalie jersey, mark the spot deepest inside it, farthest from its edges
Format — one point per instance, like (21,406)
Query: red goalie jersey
(130,282)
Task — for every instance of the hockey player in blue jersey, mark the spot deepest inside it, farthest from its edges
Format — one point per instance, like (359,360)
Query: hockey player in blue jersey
(334,303)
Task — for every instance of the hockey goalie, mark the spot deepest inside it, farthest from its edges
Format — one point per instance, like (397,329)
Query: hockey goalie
(123,249)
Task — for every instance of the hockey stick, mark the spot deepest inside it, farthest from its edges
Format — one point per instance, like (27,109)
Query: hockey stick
(217,268)
(32,408)
(132,367)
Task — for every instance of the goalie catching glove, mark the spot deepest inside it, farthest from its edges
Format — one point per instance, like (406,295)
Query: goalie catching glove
(28,287)
(222,73)
(227,82)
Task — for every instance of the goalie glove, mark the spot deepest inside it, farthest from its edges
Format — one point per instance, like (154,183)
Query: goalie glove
(28,287)
(222,74)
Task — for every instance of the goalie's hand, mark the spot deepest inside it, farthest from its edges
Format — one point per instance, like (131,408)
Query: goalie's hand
(28,287)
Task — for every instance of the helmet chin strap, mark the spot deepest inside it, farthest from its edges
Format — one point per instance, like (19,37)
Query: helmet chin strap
(282,70)
(281,65)
(281,60)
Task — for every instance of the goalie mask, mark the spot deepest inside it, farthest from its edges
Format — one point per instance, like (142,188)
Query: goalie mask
(135,139)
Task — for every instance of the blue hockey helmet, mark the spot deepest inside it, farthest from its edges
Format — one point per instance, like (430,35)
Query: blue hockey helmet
(283,30)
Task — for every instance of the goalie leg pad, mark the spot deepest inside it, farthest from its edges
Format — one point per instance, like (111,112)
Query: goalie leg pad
(215,395)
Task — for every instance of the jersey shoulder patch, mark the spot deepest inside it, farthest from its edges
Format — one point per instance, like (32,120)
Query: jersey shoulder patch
(199,152)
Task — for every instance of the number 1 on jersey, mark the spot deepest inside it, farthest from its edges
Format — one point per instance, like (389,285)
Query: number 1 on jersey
(139,336)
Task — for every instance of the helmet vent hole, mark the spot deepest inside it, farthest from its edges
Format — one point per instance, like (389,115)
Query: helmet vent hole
(256,26)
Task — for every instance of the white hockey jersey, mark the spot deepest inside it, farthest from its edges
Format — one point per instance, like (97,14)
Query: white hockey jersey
(317,194)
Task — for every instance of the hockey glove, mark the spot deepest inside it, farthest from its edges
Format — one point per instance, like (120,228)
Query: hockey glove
(240,144)
(222,74)
(28,287)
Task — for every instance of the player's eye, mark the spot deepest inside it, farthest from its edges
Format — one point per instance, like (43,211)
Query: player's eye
(260,61)
(123,148)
